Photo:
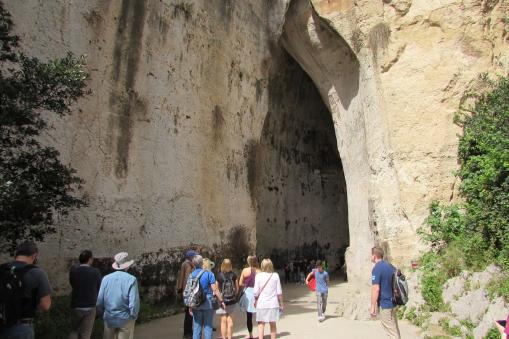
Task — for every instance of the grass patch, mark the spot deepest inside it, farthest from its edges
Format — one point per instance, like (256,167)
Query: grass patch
(418,317)
(499,287)
(454,331)
(493,333)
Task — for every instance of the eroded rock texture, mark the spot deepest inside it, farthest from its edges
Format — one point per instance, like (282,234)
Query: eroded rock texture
(240,125)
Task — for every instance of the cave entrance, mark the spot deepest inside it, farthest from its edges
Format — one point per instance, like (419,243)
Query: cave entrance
(302,210)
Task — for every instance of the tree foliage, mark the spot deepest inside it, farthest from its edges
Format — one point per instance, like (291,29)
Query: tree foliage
(34,184)
(480,223)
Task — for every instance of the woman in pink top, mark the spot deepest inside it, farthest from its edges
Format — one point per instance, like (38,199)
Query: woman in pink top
(246,282)
(269,298)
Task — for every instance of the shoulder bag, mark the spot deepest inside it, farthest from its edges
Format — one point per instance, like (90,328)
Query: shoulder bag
(256,298)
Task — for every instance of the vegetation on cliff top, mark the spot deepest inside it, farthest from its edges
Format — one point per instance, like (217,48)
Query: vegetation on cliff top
(35,185)
(474,232)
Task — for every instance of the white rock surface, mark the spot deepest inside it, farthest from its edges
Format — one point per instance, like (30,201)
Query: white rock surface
(471,305)
(454,288)
(497,310)
(167,141)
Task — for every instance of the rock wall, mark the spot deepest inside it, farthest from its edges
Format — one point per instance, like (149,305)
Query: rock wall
(170,141)
(178,95)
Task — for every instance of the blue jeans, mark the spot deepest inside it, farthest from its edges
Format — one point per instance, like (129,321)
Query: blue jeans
(18,331)
(203,318)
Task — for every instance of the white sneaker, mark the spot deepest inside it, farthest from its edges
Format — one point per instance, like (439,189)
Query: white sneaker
(322,318)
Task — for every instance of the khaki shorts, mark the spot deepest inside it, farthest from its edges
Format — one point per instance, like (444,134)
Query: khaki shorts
(389,321)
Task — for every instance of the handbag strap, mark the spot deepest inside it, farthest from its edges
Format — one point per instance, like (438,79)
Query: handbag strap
(265,284)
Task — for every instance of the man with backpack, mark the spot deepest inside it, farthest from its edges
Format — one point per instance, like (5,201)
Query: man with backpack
(24,289)
(382,303)
(199,293)
(185,270)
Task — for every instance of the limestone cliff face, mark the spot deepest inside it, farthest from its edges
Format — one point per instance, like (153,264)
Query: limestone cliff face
(178,95)
(392,74)
(197,115)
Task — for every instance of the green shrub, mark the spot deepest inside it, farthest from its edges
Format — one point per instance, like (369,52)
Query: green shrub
(400,313)
(422,319)
(493,333)
(410,314)
(432,292)
(455,331)
(483,153)
(499,287)
(432,281)
(475,232)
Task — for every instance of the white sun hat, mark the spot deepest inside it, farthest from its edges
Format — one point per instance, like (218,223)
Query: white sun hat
(121,262)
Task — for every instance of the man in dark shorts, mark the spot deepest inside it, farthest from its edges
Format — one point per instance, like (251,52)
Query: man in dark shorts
(37,292)
(85,281)
(381,293)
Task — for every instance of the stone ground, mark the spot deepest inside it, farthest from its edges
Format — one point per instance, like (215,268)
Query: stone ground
(299,320)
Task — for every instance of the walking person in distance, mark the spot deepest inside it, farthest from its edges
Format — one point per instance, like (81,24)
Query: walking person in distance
(322,288)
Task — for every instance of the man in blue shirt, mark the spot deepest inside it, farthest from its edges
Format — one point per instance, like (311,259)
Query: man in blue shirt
(119,300)
(322,288)
(381,293)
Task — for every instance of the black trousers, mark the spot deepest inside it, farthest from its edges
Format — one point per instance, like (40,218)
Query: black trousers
(188,323)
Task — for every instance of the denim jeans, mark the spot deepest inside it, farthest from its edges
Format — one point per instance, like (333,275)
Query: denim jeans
(203,318)
(18,331)
(321,303)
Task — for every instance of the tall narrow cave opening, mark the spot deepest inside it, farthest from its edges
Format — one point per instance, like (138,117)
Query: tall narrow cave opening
(302,211)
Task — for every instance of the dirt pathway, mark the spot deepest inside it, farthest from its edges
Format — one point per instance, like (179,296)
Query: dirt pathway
(299,321)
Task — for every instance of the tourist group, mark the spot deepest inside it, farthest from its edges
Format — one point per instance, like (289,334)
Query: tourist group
(256,291)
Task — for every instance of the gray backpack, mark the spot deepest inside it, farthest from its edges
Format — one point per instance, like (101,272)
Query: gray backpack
(399,288)
(193,293)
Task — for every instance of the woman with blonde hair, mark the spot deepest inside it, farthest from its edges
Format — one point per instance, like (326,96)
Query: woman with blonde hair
(269,298)
(229,287)
(247,281)
(208,265)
